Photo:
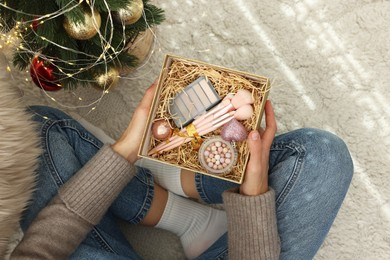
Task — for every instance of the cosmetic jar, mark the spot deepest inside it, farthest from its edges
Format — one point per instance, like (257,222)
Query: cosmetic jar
(217,156)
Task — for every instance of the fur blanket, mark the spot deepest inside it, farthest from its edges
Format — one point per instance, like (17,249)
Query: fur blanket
(18,156)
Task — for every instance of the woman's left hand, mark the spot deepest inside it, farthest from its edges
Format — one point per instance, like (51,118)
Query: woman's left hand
(128,144)
(256,176)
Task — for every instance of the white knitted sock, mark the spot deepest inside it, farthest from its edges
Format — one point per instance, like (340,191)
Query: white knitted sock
(166,176)
(198,226)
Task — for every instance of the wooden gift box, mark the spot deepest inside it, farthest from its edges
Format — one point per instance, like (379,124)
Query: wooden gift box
(176,74)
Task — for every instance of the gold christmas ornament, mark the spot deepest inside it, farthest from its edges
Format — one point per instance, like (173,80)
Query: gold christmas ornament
(131,13)
(84,30)
(108,80)
(140,47)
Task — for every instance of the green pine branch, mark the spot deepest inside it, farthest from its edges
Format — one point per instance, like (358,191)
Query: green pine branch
(50,40)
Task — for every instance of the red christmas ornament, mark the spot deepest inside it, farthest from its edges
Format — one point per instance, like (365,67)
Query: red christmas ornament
(35,24)
(42,75)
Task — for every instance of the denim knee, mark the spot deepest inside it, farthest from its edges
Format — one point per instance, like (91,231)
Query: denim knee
(42,113)
(328,148)
(135,200)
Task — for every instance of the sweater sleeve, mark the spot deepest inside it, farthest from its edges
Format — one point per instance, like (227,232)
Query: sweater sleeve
(252,229)
(81,202)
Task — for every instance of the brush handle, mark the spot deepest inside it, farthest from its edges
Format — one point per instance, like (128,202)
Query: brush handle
(218,125)
(215,122)
(214,110)
(183,140)
(177,139)
(201,121)
(224,110)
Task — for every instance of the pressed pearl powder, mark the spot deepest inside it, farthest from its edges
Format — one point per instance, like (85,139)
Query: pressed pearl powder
(216,160)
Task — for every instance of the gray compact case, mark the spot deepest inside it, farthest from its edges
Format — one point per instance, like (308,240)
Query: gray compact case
(193,101)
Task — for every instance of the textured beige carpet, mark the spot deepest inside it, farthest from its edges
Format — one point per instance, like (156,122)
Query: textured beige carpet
(330,64)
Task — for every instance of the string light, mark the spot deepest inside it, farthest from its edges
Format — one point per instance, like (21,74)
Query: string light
(88,63)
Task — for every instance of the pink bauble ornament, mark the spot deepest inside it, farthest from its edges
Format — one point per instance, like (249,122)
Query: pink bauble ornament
(234,131)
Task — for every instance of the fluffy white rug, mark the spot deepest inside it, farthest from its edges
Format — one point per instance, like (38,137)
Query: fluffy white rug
(330,65)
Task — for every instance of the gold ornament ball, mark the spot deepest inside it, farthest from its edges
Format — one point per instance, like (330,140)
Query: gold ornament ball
(108,80)
(131,13)
(84,30)
(140,47)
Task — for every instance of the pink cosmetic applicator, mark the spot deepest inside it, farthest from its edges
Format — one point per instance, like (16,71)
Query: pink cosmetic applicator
(179,140)
(208,125)
(243,113)
(203,132)
(242,97)
(229,103)
(198,122)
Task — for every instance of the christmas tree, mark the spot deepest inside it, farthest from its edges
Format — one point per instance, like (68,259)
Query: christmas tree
(70,43)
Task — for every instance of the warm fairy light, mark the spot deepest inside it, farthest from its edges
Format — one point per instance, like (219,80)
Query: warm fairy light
(8,68)
(109,52)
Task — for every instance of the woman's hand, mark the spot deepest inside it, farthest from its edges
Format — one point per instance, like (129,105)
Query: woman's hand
(256,176)
(128,144)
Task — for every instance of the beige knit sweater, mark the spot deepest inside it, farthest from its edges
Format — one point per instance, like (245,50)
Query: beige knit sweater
(80,204)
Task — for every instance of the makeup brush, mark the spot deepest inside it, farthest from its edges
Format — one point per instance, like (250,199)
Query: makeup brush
(242,113)
(242,97)
(240,103)
(186,140)
(200,120)
(207,128)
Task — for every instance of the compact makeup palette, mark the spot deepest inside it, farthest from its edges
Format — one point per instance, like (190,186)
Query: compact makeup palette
(192,101)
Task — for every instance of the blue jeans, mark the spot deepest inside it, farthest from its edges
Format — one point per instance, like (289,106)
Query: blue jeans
(310,171)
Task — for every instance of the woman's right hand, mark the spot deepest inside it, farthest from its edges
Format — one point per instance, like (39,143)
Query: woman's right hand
(256,175)
(128,144)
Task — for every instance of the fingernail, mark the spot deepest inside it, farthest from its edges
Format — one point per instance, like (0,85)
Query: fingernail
(255,135)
